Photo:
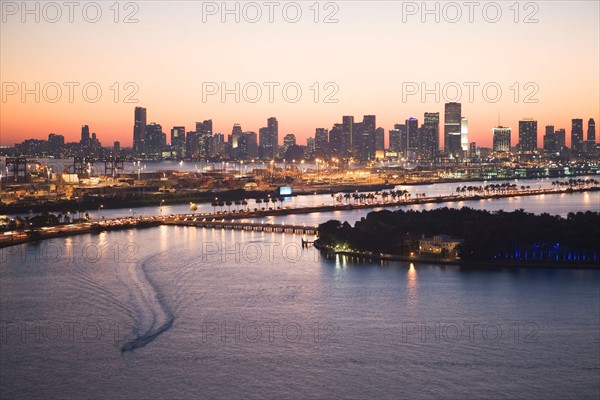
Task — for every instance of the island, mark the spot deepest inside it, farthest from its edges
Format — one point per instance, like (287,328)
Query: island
(468,237)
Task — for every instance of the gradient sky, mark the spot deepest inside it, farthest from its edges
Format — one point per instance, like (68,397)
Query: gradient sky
(369,54)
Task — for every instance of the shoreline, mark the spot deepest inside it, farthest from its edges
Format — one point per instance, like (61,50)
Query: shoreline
(92,202)
(133,223)
(484,264)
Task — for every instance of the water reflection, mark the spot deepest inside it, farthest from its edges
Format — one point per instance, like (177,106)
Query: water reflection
(411,280)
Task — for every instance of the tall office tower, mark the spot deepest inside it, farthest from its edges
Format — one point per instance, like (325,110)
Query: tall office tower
(85,136)
(116,148)
(472,150)
(527,135)
(336,141)
(273,126)
(452,123)
(412,138)
(347,135)
(364,138)
(233,140)
(250,144)
(591,131)
(591,136)
(464,135)
(154,141)
(429,136)
(310,145)
(501,139)
(263,138)
(204,131)
(379,139)
(178,141)
(561,139)
(398,139)
(550,139)
(289,140)
(139,130)
(321,142)
(577,134)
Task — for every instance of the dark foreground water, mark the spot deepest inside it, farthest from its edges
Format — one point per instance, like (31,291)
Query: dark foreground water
(179,312)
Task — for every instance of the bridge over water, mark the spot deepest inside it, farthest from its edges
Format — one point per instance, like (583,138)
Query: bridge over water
(242,225)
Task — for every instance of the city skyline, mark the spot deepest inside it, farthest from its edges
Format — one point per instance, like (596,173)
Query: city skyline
(388,87)
(127,140)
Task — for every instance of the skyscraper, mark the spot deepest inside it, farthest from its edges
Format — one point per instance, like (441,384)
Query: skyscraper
(178,141)
(560,139)
(321,142)
(412,138)
(452,125)
(139,130)
(527,135)
(591,136)
(398,139)
(464,135)
(273,126)
(550,140)
(347,135)
(364,138)
(429,143)
(336,141)
(85,136)
(501,139)
(154,142)
(577,134)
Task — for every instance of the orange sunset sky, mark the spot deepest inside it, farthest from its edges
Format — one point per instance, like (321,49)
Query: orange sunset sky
(371,52)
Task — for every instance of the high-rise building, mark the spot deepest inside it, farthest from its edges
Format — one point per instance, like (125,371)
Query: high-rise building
(268,139)
(336,141)
(364,138)
(55,144)
(452,126)
(464,135)
(550,140)
(577,134)
(527,135)
(139,130)
(178,141)
(379,139)
(155,141)
(501,139)
(429,139)
(233,140)
(85,136)
(398,139)
(412,138)
(561,139)
(348,135)
(321,142)
(252,144)
(591,136)
(273,126)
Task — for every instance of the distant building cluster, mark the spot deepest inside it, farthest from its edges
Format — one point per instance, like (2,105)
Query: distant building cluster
(359,141)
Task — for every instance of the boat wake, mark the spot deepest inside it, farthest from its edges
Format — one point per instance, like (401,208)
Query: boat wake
(153,316)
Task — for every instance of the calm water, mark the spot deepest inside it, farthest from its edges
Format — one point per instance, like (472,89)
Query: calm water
(180,312)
